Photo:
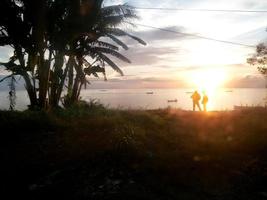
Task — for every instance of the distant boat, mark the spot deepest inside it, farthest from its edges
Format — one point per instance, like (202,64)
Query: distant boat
(188,92)
(172,101)
(150,93)
(228,90)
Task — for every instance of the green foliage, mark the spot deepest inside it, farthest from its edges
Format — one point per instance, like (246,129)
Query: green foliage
(259,59)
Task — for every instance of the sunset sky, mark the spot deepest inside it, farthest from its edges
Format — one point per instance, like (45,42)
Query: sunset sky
(172,60)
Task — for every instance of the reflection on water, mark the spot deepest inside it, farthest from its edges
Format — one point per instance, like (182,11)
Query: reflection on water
(222,99)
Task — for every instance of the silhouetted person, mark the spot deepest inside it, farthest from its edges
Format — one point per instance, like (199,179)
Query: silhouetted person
(205,100)
(196,98)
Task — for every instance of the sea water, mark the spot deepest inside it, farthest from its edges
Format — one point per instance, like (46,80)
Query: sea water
(221,99)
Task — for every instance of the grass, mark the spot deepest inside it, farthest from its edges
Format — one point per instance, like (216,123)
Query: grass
(89,152)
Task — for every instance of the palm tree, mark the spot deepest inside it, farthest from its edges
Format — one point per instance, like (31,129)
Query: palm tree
(87,42)
(55,40)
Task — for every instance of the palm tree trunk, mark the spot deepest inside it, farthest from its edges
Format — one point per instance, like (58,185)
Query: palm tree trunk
(55,82)
(75,89)
(38,35)
(30,90)
(63,79)
(77,82)
(43,82)
(71,64)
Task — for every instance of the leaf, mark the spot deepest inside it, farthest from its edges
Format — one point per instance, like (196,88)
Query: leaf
(111,52)
(111,63)
(6,78)
(107,45)
(119,32)
(125,10)
(112,20)
(94,69)
(138,39)
(119,42)
(95,74)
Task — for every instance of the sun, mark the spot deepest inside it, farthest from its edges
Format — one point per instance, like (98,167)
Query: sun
(208,79)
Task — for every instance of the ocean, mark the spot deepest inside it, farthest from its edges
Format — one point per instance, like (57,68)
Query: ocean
(221,99)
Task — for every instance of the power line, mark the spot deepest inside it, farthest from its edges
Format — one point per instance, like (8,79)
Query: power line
(201,10)
(193,35)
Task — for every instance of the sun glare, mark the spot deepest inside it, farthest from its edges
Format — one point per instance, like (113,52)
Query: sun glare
(208,79)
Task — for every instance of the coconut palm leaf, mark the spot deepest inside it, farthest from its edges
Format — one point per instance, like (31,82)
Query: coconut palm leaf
(111,52)
(95,74)
(119,32)
(106,44)
(125,10)
(6,77)
(137,39)
(118,41)
(111,21)
(110,63)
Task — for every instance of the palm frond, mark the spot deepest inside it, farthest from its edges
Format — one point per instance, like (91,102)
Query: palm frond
(125,10)
(111,52)
(119,42)
(106,44)
(137,39)
(112,21)
(119,32)
(110,63)
(6,77)
(95,74)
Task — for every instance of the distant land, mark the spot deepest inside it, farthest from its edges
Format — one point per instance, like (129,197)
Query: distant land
(244,82)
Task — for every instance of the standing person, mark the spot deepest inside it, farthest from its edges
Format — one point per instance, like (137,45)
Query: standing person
(205,101)
(196,97)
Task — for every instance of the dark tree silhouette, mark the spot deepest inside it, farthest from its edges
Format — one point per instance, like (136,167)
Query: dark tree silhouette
(57,43)
(12,93)
(259,59)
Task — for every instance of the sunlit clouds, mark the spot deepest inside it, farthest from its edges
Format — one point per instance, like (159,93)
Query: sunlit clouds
(170,56)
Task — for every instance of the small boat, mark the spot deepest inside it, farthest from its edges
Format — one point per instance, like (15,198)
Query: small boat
(172,101)
(228,90)
(150,93)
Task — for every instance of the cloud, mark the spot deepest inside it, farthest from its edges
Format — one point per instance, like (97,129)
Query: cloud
(160,35)
(150,55)
(254,36)
(137,82)
(247,81)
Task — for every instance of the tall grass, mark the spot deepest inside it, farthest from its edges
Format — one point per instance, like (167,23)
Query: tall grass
(136,154)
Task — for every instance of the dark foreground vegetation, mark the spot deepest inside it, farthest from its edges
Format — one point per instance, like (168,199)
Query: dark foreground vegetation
(89,152)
